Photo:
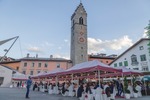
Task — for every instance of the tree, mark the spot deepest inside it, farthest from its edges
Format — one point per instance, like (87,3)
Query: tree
(126,90)
(148,35)
(148,30)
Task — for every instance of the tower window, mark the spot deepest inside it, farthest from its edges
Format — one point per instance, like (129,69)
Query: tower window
(80,20)
(73,22)
(81,56)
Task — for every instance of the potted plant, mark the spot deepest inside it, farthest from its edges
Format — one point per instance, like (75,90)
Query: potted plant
(126,90)
(127,94)
(135,92)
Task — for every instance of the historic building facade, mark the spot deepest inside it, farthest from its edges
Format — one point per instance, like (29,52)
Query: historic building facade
(33,66)
(136,57)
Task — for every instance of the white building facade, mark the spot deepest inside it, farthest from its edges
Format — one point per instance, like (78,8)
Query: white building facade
(5,76)
(136,57)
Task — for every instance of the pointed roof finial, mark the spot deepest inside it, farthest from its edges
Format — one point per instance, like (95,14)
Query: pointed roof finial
(80,1)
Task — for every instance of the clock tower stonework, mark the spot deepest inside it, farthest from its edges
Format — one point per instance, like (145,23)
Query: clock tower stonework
(79,36)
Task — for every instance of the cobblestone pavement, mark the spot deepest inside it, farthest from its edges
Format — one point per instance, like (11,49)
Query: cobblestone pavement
(19,94)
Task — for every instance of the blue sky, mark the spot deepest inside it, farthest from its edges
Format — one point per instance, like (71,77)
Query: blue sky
(43,26)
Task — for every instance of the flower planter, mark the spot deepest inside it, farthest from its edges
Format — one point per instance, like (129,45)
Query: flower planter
(135,95)
(127,96)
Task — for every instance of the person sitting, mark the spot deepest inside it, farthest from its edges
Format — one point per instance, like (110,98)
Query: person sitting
(130,88)
(64,90)
(50,90)
(34,86)
(88,92)
(71,93)
(98,93)
(139,88)
(80,91)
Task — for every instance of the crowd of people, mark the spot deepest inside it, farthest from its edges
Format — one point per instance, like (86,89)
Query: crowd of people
(18,84)
(88,90)
(106,90)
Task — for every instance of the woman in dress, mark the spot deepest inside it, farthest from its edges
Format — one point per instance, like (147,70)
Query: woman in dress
(130,88)
(50,91)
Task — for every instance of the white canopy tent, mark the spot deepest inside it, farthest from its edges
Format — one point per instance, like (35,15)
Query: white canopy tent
(19,76)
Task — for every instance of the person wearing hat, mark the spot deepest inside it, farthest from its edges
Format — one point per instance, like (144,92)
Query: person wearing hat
(28,82)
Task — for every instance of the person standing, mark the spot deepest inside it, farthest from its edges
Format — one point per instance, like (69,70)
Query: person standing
(29,82)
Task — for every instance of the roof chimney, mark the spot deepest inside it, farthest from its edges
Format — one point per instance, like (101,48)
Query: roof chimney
(36,55)
(28,55)
(51,56)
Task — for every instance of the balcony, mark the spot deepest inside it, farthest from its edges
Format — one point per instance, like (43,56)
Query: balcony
(134,63)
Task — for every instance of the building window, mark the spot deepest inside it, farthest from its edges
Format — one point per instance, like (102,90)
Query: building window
(39,65)
(120,63)
(143,57)
(145,69)
(125,63)
(17,68)
(134,60)
(81,20)
(31,72)
(45,71)
(32,64)
(25,64)
(23,72)
(45,65)
(115,65)
(141,47)
(58,65)
(38,72)
(136,68)
(106,61)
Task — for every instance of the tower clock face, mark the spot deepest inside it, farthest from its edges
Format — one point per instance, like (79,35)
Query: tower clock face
(81,33)
(81,39)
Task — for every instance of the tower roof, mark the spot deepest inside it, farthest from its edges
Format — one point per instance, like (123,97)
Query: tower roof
(79,8)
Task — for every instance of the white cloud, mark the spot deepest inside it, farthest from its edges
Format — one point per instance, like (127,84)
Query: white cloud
(34,49)
(60,56)
(97,45)
(48,44)
(66,40)
(59,48)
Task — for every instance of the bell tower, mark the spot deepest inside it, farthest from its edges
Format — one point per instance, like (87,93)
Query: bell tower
(79,36)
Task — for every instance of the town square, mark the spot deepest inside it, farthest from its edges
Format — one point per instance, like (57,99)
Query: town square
(74,50)
(18,94)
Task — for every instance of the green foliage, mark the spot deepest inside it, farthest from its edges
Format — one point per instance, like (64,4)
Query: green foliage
(126,85)
(135,91)
(127,91)
(148,30)
(134,84)
(148,34)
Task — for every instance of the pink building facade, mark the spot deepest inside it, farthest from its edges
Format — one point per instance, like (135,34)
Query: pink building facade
(33,66)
